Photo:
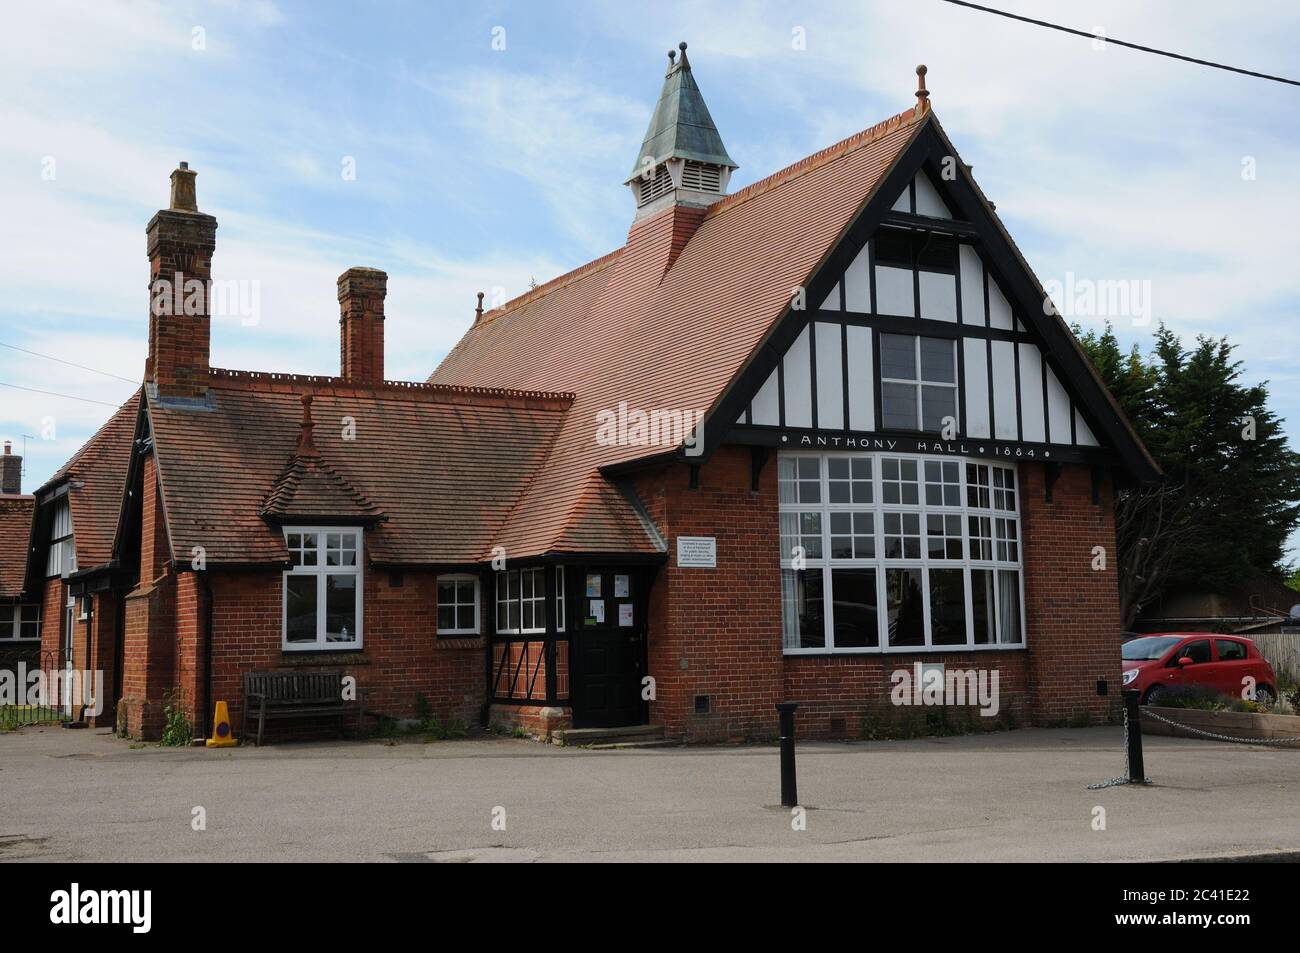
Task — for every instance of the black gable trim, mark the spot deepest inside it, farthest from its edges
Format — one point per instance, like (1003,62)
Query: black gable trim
(928,151)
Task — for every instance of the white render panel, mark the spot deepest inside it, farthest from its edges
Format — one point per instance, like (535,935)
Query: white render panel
(798,382)
(1004,391)
(904,201)
(862,380)
(832,302)
(938,296)
(857,284)
(1058,409)
(1083,435)
(972,285)
(766,408)
(999,309)
(894,293)
(927,199)
(1032,420)
(977,387)
(830,377)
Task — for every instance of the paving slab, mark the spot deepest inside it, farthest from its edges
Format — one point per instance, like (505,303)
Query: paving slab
(1018,795)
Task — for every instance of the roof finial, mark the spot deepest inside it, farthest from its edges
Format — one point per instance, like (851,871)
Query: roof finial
(922,94)
(478,311)
(307,446)
(682,46)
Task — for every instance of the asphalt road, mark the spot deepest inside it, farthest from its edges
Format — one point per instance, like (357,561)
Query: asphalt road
(1021,795)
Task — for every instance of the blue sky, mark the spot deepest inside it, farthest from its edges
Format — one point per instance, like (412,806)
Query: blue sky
(478,168)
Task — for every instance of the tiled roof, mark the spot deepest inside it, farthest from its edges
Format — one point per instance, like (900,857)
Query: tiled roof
(623,329)
(98,475)
(15,530)
(443,466)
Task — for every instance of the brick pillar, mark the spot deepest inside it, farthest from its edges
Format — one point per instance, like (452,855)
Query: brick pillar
(1071,609)
(181,241)
(361,324)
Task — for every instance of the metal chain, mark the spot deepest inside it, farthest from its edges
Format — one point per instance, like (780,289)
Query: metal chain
(1116,782)
(1218,737)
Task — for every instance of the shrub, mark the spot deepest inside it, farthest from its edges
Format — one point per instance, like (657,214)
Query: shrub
(177,729)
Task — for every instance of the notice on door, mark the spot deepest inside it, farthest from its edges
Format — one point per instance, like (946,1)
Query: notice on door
(625,615)
(697,552)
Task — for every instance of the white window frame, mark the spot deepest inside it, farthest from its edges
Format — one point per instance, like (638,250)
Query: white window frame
(61,557)
(17,619)
(919,383)
(458,577)
(321,571)
(559,599)
(925,563)
(538,576)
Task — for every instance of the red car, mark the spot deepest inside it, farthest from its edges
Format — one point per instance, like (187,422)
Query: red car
(1156,663)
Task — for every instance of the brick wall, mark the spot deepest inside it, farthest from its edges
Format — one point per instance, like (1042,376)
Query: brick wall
(718,632)
(180,244)
(401,655)
(1071,610)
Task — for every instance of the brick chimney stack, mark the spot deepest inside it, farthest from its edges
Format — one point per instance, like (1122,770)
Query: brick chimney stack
(11,471)
(181,240)
(361,324)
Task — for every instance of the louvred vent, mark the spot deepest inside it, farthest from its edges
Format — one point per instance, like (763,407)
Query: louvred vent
(702,177)
(650,189)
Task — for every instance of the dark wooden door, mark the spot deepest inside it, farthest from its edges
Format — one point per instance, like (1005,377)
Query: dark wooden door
(609,649)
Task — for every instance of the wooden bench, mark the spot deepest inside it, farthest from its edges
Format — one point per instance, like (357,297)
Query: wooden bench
(272,695)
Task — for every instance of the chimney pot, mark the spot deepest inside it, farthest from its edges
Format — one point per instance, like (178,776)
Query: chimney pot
(180,243)
(361,324)
(11,471)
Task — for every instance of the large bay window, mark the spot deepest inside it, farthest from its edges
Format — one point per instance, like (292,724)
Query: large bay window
(521,601)
(883,553)
(322,588)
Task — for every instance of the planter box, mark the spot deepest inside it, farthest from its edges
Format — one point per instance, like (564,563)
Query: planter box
(1235,724)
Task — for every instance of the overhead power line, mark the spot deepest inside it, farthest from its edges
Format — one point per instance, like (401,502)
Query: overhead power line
(51,393)
(48,357)
(1131,46)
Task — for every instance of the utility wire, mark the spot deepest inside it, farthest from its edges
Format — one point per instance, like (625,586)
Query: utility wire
(60,360)
(50,393)
(1131,46)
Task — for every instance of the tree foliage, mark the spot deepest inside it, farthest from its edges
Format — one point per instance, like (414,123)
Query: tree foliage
(1231,491)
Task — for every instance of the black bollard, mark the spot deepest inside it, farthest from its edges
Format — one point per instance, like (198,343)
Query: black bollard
(1133,737)
(789,792)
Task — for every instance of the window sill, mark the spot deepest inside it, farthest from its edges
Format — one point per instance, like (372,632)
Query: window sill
(324,657)
(904,650)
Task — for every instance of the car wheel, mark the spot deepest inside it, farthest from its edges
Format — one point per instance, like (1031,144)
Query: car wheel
(1264,696)
(1153,695)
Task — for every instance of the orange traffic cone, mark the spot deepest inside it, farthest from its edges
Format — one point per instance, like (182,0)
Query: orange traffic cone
(222,736)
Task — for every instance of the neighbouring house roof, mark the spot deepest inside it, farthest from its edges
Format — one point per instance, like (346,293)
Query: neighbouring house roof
(15,527)
(622,329)
(96,477)
(436,469)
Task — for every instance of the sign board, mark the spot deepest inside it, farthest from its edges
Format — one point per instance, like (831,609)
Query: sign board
(697,552)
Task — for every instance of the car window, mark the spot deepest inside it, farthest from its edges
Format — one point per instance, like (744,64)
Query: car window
(1147,648)
(1229,650)
(1198,652)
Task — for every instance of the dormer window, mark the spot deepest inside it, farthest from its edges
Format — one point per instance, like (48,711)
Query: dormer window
(322,588)
(61,558)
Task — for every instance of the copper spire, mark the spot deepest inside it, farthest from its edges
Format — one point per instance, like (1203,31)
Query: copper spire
(922,94)
(306,446)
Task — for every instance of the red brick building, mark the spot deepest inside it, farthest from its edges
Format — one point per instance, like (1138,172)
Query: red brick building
(782,444)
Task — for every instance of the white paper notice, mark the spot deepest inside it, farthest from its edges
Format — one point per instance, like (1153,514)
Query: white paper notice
(621,587)
(625,615)
(598,610)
